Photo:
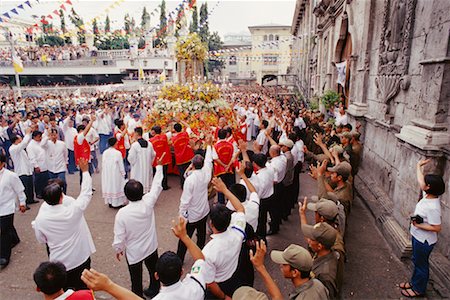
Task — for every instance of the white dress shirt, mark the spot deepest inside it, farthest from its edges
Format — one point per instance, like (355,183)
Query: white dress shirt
(261,139)
(222,251)
(194,204)
(188,289)
(37,155)
(134,226)
(104,124)
(62,227)
(22,164)
(263,182)
(69,134)
(11,189)
(58,156)
(251,207)
(298,152)
(278,165)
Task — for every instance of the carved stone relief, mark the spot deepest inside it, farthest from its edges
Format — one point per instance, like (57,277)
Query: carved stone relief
(395,51)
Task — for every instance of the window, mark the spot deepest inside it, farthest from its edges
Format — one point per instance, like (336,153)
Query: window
(271,37)
(233,74)
(232,61)
(277,38)
(265,38)
(247,60)
(270,60)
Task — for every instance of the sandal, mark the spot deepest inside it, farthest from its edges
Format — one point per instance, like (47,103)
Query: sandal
(405,285)
(410,293)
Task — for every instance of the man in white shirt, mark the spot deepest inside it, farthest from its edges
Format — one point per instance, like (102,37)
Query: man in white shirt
(222,252)
(69,135)
(278,164)
(22,164)
(135,232)
(141,156)
(62,228)
(134,123)
(341,116)
(38,160)
(113,176)
(92,138)
(194,205)
(169,269)
(104,128)
(11,189)
(58,157)
(261,143)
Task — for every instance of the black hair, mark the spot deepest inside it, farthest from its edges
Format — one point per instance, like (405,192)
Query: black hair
(436,183)
(36,133)
(112,141)
(239,191)
(248,171)
(348,126)
(119,123)
(177,127)
(54,130)
(222,134)
(198,161)
(134,190)
(50,277)
(156,129)
(220,217)
(169,267)
(2,157)
(139,131)
(304,274)
(265,123)
(81,127)
(260,160)
(52,193)
(229,130)
(58,181)
(14,138)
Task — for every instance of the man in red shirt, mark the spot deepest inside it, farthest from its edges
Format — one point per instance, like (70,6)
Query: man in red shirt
(182,150)
(161,145)
(81,147)
(223,159)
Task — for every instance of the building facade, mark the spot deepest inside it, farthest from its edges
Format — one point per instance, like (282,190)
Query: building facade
(392,59)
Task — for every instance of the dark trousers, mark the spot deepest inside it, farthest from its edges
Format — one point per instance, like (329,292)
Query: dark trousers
(40,181)
(27,181)
(421,274)
(200,226)
(74,281)
(264,207)
(8,236)
(136,275)
(94,159)
(228,287)
(229,179)
(72,168)
(182,169)
(296,183)
(164,181)
(276,207)
(60,175)
(103,143)
(286,200)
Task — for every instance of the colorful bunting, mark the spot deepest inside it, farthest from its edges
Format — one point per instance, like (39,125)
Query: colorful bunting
(68,2)
(21,6)
(62,7)
(14,11)
(7,15)
(28,3)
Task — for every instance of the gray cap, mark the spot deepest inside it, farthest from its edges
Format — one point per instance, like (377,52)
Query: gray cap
(321,232)
(324,207)
(343,169)
(295,256)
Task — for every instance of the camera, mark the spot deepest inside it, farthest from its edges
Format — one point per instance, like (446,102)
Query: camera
(418,219)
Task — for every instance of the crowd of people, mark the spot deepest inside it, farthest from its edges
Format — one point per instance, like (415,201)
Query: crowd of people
(46,54)
(250,168)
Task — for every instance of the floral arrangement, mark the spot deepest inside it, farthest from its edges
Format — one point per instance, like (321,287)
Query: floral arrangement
(192,92)
(191,48)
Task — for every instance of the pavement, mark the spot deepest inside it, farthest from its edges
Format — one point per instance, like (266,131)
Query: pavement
(371,272)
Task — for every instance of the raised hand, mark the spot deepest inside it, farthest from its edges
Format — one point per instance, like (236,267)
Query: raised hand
(179,229)
(219,185)
(257,258)
(84,165)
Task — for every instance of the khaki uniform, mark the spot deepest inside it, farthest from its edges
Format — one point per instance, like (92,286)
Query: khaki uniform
(311,290)
(325,269)
(343,194)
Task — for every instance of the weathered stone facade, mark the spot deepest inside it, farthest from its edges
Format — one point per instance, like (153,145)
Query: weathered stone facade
(397,86)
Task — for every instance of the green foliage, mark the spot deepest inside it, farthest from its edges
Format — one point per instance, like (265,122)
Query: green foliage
(214,43)
(107,24)
(113,42)
(162,33)
(204,29)
(127,23)
(145,18)
(194,24)
(52,40)
(141,44)
(78,22)
(330,98)
(314,102)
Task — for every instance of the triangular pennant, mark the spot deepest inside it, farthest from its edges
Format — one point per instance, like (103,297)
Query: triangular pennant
(7,15)
(14,11)
(21,6)
(68,2)
(50,17)
(56,12)
(28,3)
(62,7)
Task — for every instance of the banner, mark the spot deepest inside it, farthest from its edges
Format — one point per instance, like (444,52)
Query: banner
(341,72)
(17,64)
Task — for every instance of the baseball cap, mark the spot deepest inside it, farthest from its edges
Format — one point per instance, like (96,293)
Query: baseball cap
(295,256)
(338,149)
(324,207)
(248,293)
(343,169)
(286,142)
(321,232)
(347,135)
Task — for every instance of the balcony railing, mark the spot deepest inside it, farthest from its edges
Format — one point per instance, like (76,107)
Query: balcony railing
(64,63)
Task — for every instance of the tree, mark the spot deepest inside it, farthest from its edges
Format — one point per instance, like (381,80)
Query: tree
(145,19)
(63,26)
(95,30)
(194,25)
(178,22)
(78,22)
(162,32)
(215,43)
(127,24)
(204,26)
(107,24)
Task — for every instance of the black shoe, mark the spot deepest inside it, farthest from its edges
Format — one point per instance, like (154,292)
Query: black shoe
(166,188)
(93,189)
(3,263)
(27,207)
(38,196)
(272,232)
(110,206)
(15,244)
(150,293)
(33,202)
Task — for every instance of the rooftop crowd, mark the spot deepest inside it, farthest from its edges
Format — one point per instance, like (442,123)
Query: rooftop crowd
(46,54)
(250,169)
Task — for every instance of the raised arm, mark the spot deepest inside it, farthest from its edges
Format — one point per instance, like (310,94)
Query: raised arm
(222,188)
(151,197)
(179,230)
(85,196)
(420,176)
(241,172)
(97,281)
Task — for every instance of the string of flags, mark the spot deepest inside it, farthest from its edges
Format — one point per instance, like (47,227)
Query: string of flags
(16,11)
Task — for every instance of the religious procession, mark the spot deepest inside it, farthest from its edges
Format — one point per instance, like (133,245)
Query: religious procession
(284,162)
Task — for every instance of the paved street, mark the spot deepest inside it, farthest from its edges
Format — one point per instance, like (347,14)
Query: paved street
(371,270)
